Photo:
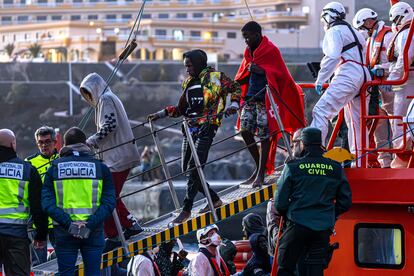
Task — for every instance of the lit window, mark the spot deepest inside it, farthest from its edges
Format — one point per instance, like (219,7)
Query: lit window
(379,245)
(178,34)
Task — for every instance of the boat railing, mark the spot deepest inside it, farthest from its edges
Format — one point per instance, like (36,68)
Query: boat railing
(365,149)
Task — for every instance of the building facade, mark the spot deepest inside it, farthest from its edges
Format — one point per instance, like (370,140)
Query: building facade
(96,30)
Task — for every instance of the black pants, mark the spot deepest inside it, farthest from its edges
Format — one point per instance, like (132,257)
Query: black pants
(203,139)
(15,255)
(301,242)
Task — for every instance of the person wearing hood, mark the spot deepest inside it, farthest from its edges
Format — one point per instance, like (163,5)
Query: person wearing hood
(259,263)
(208,261)
(113,129)
(203,102)
(379,37)
(311,193)
(20,198)
(343,49)
(78,195)
(252,223)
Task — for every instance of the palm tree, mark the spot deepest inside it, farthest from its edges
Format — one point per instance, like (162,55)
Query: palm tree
(35,49)
(9,48)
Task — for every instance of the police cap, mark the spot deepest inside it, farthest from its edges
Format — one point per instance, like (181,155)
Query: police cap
(312,136)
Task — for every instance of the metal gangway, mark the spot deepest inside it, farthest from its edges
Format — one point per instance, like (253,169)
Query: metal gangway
(236,199)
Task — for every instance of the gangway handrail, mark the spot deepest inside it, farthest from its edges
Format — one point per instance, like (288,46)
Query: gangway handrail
(194,168)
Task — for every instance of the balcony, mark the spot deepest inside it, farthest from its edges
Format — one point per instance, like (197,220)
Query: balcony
(152,6)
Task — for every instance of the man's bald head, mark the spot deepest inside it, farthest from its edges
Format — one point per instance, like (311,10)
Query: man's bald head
(7,138)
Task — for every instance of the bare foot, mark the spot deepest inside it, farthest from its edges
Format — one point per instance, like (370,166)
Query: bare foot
(258,182)
(250,180)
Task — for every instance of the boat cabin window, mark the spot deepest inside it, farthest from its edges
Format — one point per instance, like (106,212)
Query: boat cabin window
(379,245)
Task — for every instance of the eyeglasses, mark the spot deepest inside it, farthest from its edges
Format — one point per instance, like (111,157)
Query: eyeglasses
(44,143)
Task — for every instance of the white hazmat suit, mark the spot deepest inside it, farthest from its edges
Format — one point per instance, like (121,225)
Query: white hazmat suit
(382,132)
(401,92)
(344,89)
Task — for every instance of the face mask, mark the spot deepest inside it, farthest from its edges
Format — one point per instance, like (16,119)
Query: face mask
(215,239)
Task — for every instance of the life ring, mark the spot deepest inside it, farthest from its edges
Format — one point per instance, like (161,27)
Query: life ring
(243,255)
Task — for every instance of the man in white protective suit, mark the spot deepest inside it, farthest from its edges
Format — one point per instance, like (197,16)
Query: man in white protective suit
(401,15)
(343,48)
(379,37)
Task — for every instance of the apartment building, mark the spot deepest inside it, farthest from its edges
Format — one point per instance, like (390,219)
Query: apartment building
(96,30)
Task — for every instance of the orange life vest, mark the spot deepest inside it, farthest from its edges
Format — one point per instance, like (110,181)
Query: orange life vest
(391,49)
(378,47)
(224,271)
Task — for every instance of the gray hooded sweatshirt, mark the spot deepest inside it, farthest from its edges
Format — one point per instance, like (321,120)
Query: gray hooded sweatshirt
(112,123)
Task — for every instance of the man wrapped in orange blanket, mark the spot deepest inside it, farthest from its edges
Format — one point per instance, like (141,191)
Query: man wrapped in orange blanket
(263,65)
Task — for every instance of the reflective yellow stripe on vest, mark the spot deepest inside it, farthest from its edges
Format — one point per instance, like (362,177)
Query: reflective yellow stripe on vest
(78,197)
(14,201)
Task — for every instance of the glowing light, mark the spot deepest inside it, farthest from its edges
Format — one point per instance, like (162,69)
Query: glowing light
(207,35)
(98,30)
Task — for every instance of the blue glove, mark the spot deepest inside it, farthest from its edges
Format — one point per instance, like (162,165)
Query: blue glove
(318,89)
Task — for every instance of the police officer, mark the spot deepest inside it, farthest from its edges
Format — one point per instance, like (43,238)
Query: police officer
(19,197)
(46,142)
(78,195)
(312,192)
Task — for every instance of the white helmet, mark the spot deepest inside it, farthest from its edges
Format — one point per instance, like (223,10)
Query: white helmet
(400,13)
(332,12)
(202,232)
(362,15)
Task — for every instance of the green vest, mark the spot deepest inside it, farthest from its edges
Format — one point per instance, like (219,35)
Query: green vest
(14,192)
(41,164)
(78,188)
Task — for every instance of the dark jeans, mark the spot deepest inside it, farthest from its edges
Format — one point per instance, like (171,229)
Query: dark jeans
(67,248)
(293,242)
(203,139)
(15,255)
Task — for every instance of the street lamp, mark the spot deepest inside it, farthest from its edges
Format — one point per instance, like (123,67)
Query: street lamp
(116,31)
(98,30)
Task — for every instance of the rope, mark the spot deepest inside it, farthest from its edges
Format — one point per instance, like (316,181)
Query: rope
(248,8)
(124,55)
